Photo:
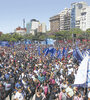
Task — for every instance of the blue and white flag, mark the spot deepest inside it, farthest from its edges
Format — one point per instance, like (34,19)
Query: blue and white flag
(4,43)
(88,73)
(46,52)
(50,50)
(58,54)
(50,42)
(81,77)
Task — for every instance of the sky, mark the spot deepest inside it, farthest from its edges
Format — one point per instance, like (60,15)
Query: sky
(12,12)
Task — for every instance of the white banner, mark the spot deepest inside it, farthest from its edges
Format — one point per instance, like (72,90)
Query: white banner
(88,73)
(81,76)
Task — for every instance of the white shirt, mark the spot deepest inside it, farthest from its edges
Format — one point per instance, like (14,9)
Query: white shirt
(70,71)
(24,83)
(22,75)
(19,96)
(7,86)
(69,91)
(35,71)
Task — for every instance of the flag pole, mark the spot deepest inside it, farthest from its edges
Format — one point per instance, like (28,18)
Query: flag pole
(87,78)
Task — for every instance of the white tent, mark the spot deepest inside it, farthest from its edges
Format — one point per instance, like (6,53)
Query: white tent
(83,73)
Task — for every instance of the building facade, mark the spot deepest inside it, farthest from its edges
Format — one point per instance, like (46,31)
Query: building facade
(55,23)
(61,21)
(21,31)
(28,27)
(65,19)
(78,16)
(42,28)
(85,18)
(76,9)
(35,26)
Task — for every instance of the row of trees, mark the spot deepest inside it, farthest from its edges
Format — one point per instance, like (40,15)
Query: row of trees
(42,36)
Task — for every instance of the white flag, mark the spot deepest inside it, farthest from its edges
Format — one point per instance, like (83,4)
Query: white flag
(81,76)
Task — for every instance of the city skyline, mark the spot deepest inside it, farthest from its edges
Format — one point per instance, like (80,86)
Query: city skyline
(13,12)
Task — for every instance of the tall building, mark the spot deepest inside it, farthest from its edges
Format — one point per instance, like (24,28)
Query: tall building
(55,23)
(60,21)
(65,19)
(85,18)
(32,26)
(35,26)
(42,28)
(76,9)
(28,27)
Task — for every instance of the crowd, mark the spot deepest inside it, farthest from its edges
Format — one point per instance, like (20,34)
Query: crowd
(25,75)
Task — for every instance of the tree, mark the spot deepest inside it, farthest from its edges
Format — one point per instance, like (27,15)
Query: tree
(13,40)
(88,33)
(76,31)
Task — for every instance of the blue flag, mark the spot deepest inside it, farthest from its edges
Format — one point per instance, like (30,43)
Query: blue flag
(66,52)
(39,50)
(58,54)
(53,51)
(77,54)
(26,48)
(63,52)
(50,50)
(29,42)
(46,52)
(74,53)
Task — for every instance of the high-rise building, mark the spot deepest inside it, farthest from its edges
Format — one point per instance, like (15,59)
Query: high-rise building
(55,23)
(60,21)
(35,26)
(28,27)
(78,16)
(76,9)
(42,28)
(32,26)
(85,18)
(65,19)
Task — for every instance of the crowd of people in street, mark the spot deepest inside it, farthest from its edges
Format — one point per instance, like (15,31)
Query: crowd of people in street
(26,75)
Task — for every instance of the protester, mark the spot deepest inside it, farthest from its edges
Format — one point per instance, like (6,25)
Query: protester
(34,74)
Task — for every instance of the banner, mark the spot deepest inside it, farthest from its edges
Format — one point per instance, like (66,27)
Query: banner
(88,73)
(81,76)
